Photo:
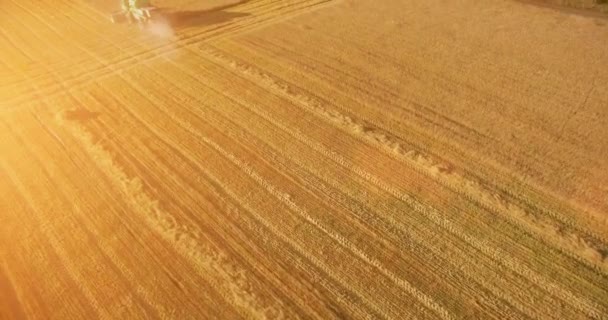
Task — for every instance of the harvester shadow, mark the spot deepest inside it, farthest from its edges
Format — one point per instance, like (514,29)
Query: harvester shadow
(207,17)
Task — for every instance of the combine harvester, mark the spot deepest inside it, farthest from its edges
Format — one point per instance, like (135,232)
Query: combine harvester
(135,11)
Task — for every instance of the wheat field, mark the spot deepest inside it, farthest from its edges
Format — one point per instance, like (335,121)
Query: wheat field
(270,159)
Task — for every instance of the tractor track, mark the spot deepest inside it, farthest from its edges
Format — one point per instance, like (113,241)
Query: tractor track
(279,163)
(133,59)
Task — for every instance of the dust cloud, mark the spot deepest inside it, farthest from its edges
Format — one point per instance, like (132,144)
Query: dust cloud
(160,28)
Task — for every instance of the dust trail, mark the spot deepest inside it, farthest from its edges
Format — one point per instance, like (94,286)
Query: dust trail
(162,34)
(160,28)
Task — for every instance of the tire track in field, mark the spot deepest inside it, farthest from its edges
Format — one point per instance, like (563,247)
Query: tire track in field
(134,186)
(108,67)
(50,29)
(321,265)
(284,197)
(31,83)
(100,60)
(126,147)
(27,270)
(369,88)
(423,298)
(256,42)
(278,194)
(172,181)
(187,71)
(138,289)
(110,93)
(364,217)
(178,89)
(524,202)
(92,230)
(408,140)
(7,109)
(40,91)
(386,227)
(580,303)
(237,213)
(248,138)
(120,64)
(19,35)
(546,228)
(146,298)
(72,272)
(326,71)
(62,85)
(448,80)
(207,260)
(306,8)
(496,255)
(11,295)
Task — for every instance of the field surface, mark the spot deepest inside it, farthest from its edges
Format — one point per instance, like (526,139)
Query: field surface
(421,159)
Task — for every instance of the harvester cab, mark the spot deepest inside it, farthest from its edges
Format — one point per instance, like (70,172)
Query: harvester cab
(134,11)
